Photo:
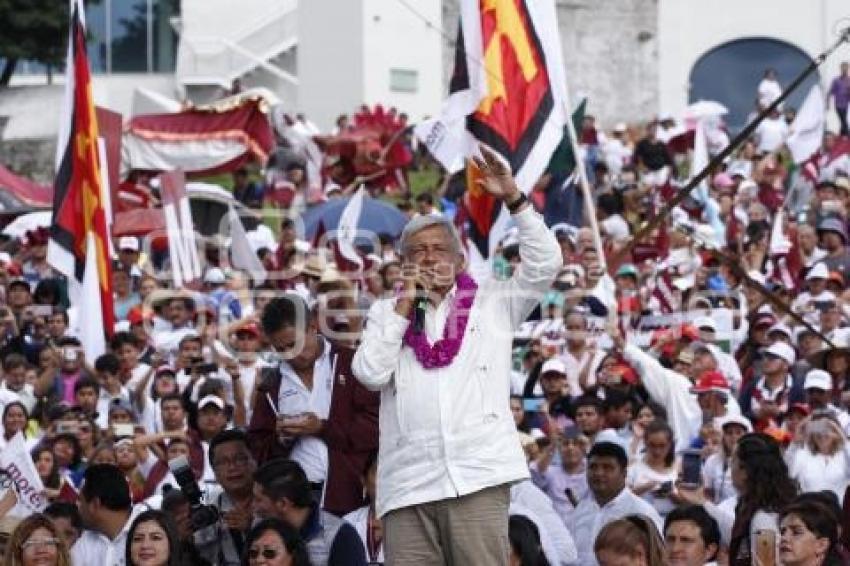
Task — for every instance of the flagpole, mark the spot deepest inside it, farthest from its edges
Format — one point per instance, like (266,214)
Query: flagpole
(589,208)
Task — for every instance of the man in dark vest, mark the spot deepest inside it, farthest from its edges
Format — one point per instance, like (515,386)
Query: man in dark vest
(350,430)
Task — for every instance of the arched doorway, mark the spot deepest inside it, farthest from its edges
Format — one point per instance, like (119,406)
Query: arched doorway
(730,74)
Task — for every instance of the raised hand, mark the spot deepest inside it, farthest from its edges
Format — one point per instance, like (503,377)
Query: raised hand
(496,178)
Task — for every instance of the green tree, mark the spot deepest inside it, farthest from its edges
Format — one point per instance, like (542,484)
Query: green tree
(33,30)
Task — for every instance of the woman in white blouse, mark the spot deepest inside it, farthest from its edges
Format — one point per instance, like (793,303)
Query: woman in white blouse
(820,459)
(653,475)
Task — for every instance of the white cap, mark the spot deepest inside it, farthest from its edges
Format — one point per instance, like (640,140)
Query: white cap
(211,399)
(818,379)
(735,419)
(215,276)
(128,243)
(819,271)
(332,188)
(782,350)
(705,322)
(748,186)
(554,365)
(620,127)
(783,328)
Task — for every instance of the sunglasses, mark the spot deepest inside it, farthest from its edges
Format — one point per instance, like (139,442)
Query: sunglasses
(267,553)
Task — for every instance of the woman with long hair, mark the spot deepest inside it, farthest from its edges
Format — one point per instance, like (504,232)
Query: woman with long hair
(152,541)
(717,469)
(818,458)
(808,535)
(45,465)
(634,537)
(645,414)
(271,542)
(36,541)
(764,487)
(526,548)
(652,476)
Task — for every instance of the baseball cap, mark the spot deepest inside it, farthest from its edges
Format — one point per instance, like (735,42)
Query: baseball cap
(121,405)
(128,243)
(818,379)
(211,400)
(553,365)
(781,328)
(162,370)
(706,322)
(215,276)
(818,271)
(686,356)
(627,270)
(782,350)
(249,328)
(735,419)
(709,381)
(764,319)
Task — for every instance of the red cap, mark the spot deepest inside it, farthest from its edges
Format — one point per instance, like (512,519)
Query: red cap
(136,315)
(249,328)
(801,407)
(626,373)
(709,381)
(690,332)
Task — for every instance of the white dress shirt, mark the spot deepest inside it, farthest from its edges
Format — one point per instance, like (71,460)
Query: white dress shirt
(448,432)
(590,517)
(294,398)
(94,547)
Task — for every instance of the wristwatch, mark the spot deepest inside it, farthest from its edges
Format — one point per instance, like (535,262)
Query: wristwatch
(514,206)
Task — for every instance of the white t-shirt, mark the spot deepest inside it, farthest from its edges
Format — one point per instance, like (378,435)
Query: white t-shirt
(819,472)
(768,91)
(718,477)
(771,134)
(639,474)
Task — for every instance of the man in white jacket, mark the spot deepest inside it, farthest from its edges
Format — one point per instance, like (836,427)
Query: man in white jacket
(448,449)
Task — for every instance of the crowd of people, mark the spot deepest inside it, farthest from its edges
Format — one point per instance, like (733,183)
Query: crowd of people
(679,399)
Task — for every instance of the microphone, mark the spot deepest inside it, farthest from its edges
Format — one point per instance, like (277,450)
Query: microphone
(420,305)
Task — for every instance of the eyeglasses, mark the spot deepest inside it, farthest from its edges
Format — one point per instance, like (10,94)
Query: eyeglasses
(40,543)
(267,553)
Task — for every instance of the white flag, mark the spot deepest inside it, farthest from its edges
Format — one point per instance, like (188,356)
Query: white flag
(807,128)
(242,254)
(346,230)
(17,463)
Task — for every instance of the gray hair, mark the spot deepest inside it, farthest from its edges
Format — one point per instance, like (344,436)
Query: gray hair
(423,221)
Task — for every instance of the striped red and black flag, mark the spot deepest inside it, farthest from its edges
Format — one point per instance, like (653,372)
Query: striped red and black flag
(79,238)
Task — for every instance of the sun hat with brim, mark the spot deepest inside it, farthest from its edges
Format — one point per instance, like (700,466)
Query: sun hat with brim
(835,225)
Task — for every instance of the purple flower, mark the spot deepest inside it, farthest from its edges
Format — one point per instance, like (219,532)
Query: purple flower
(443,351)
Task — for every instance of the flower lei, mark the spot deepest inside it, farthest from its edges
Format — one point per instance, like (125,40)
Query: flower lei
(444,350)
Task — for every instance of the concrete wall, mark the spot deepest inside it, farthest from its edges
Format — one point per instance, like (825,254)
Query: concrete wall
(685,34)
(330,58)
(395,37)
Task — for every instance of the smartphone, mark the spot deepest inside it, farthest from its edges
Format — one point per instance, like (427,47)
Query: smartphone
(532,404)
(123,429)
(765,548)
(691,468)
(664,489)
(207,368)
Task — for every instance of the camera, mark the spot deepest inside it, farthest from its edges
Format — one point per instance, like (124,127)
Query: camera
(200,515)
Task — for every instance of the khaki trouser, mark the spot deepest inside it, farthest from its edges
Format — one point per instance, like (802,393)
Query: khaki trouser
(463,531)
